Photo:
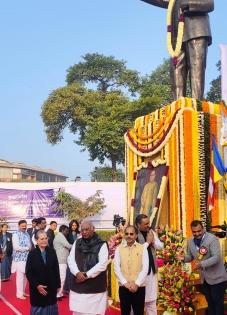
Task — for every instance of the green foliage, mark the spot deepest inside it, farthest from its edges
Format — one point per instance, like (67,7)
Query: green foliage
(105,71)
(106,174)
(214,94)
(77,209)
(100,117)
(105,234)
(158,84)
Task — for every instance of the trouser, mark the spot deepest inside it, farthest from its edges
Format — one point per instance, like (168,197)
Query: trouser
(129,299)
(21,282)
(215,297)
(151,308)
(67,280)
(62,269)
(192,62)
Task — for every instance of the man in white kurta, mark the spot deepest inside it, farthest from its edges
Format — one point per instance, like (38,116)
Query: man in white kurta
(149,238)
(21,247)
(88,303)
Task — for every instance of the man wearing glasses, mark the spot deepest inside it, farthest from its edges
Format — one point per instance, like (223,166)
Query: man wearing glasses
(131,266)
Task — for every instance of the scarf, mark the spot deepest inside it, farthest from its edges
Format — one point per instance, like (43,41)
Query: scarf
(142,239)
(89,248)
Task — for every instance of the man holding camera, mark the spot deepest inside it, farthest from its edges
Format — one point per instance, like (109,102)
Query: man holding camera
(149,238)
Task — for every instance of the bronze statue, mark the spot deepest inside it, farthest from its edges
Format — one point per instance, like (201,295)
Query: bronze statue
(196,39)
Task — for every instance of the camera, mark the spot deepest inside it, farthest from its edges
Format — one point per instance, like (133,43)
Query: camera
(222,233)
(118,220)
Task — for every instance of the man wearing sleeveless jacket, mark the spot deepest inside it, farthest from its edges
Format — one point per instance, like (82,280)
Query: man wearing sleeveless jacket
(88,261)
(131,267)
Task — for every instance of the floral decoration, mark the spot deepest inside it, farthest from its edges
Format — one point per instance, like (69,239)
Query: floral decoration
(174,53)
(114,241)
(176,292)
(173,241)
(184,144)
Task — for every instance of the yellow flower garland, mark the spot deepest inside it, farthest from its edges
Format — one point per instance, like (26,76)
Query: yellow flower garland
(174,53)
(159,147)
(155,135)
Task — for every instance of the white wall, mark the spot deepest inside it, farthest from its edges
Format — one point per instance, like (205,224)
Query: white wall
(113,193)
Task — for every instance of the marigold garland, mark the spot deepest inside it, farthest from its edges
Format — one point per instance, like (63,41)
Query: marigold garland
(159,198)
(161,126)
(202,173)
(158,146)
(195,164)
(174,53)
(182,173)
(213,131)
(184,150)
(189,205)
(173,188)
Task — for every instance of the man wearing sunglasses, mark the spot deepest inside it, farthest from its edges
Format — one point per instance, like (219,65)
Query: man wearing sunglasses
(130,266)
(149,238)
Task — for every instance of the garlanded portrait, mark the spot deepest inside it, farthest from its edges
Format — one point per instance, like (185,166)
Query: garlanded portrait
(148,184)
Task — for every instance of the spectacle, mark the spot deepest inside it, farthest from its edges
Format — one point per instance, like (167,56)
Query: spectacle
(129,234)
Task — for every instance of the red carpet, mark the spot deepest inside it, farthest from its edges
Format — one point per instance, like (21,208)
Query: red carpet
(10,305)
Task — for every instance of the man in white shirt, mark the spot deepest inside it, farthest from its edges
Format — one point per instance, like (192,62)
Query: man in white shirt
(88,261)
(131,267)
(21,246)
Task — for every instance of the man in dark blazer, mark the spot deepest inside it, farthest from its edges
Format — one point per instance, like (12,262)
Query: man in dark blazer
(50,232)
(32,229)
(196,39)
(204,250)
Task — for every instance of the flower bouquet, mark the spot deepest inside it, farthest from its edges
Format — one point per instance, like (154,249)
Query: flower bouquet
(114,241)
(173,241)
(176,292)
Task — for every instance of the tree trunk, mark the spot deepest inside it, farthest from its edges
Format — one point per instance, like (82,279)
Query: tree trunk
(114,169)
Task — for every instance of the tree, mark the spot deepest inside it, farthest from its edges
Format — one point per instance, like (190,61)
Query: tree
(77,209)
(98,117)
(105,71)
(214,94)
(158,84)
(106,174)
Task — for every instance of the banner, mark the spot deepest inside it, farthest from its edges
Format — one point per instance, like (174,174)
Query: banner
(27,203)
(224,72)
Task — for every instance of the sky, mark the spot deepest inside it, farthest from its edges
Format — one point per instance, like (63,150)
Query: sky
(41,39)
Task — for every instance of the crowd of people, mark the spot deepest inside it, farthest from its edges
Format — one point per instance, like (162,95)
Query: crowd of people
(74,261)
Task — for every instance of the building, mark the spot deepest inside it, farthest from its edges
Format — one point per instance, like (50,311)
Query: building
(10,171)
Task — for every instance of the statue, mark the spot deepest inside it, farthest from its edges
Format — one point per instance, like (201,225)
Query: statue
(191,60)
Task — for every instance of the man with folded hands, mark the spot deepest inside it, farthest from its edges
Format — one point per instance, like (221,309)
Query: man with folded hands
(131,267)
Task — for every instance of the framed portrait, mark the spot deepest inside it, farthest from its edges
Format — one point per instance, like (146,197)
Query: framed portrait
(147,188)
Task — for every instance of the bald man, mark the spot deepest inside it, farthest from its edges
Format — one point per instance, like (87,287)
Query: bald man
(88,261)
